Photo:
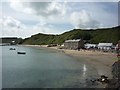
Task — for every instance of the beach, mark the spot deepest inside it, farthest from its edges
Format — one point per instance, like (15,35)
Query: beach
(101,61)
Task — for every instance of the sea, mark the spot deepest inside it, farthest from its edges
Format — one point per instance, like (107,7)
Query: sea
(43,68)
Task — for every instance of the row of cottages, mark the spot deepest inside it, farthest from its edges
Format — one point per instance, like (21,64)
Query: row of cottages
(105,46)
(74,44)
(101,46)
(79,44)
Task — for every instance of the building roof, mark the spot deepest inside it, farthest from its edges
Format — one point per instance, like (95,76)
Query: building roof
(104,44)
(74,40)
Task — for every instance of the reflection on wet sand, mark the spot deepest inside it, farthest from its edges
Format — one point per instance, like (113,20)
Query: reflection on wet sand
(84,70)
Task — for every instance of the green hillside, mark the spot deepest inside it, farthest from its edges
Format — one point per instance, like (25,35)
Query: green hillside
(91,36)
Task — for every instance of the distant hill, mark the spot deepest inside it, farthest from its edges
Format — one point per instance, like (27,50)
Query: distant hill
(91,36)
(10,39)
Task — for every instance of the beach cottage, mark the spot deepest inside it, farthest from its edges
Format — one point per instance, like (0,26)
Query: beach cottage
(105,46)
(88,46)
(74,44)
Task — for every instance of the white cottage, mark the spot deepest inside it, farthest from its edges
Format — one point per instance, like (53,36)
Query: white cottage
(105,46)
(87,45)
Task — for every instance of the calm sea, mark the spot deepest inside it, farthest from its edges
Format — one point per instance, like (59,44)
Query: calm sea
(42,68)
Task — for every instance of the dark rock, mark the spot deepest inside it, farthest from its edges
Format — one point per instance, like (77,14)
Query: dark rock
(116,70)
(115,81)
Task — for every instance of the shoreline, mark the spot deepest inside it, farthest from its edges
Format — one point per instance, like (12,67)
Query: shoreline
(101,61)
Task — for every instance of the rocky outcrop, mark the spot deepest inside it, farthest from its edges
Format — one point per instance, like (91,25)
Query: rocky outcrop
(115,81)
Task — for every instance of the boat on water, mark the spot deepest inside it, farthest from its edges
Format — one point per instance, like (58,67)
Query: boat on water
(12,49)
(21,52)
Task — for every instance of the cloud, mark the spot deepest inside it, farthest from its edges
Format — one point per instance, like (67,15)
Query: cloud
(0,21)
(46,28)
(11,27)
(62,12)
(21,6)
(54,17)
(44,9)
(10,22)
(83,20)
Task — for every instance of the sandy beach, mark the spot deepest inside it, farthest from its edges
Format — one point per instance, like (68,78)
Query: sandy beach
(102,62)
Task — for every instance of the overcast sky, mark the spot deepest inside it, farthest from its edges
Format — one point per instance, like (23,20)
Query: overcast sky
(23,19)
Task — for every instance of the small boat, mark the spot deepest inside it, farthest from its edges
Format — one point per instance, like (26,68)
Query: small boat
(21,52)
(12,49)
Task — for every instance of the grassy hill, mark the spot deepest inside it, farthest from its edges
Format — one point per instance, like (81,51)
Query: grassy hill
(92,36)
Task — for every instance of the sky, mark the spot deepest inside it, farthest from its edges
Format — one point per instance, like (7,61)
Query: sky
(25,18)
